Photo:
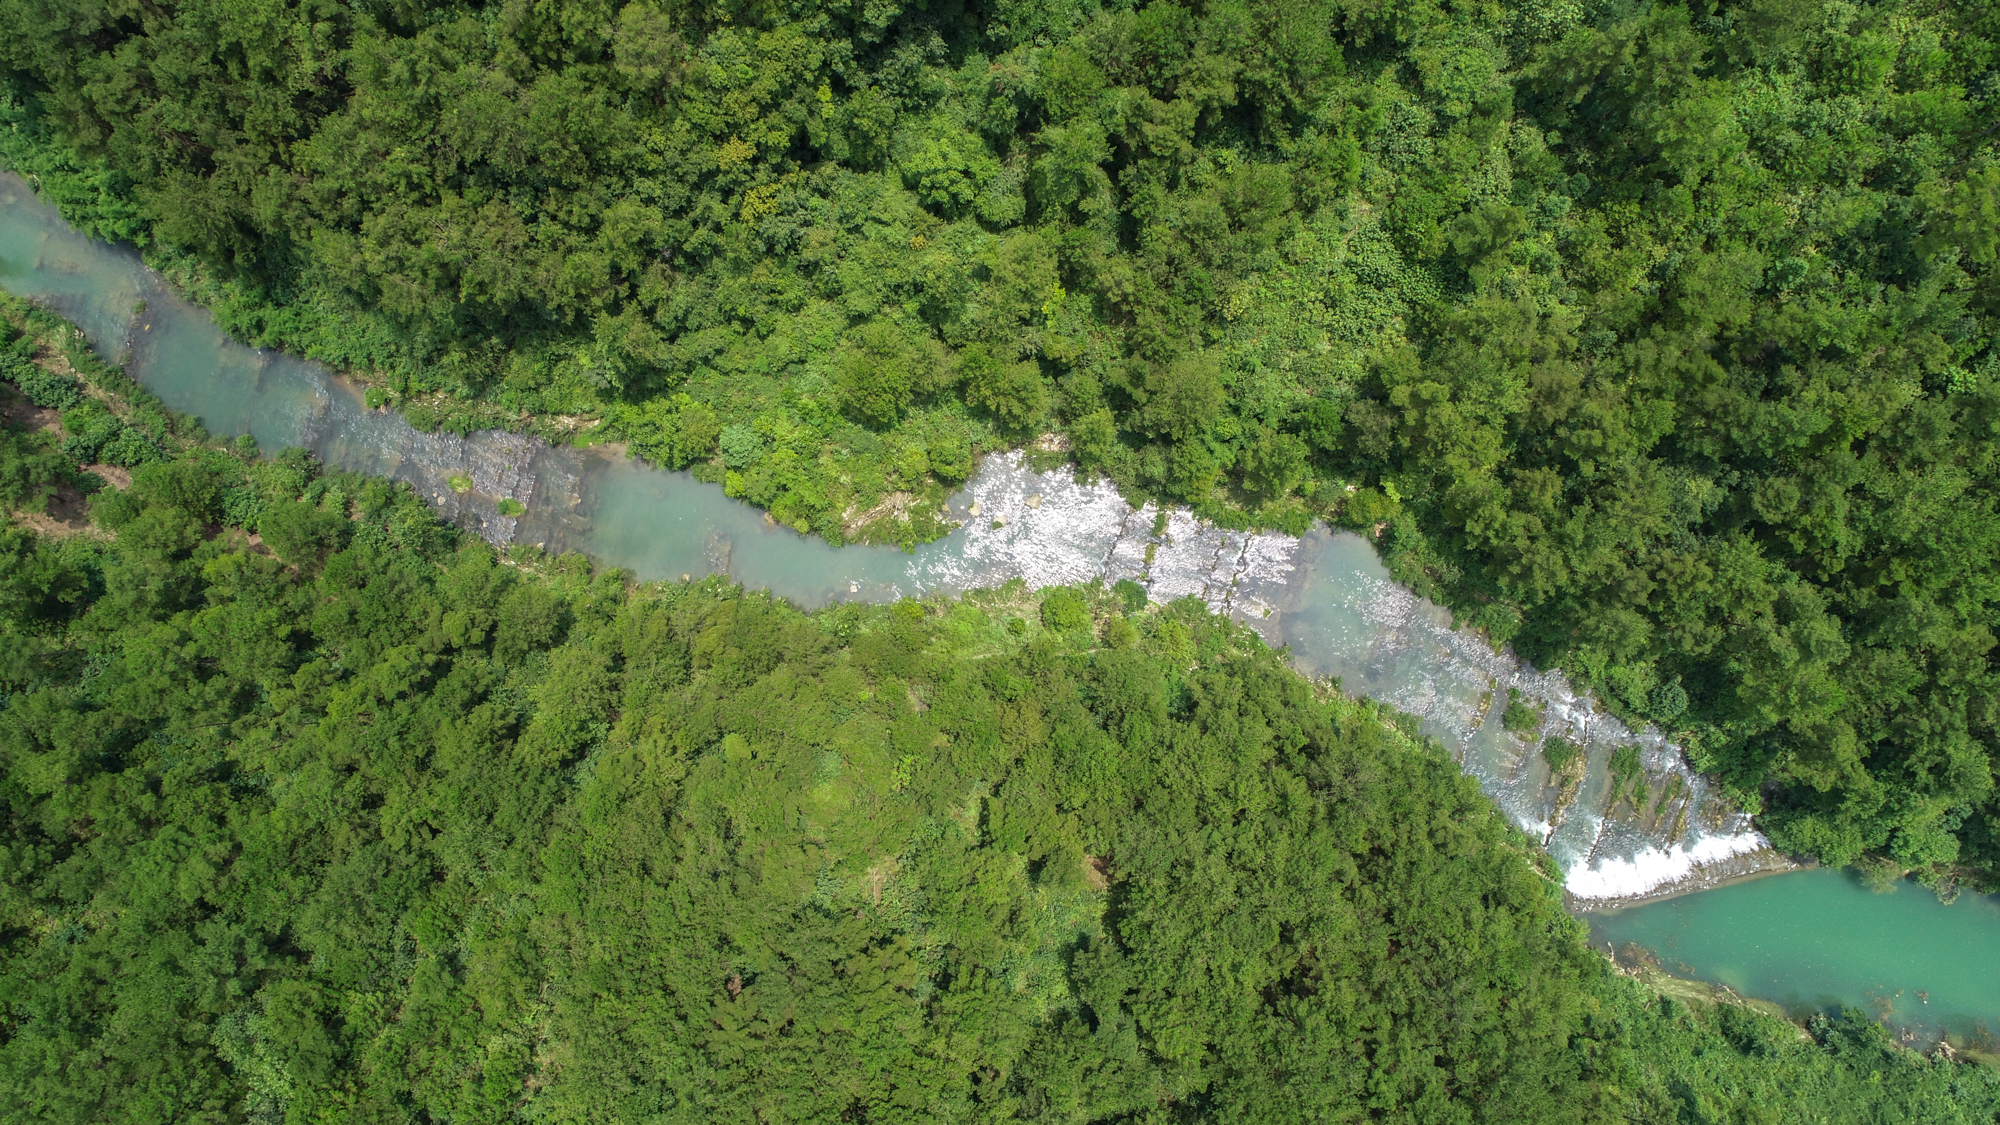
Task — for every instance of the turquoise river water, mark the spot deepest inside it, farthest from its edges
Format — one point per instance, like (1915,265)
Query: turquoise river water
(1326,595)
(1816,940)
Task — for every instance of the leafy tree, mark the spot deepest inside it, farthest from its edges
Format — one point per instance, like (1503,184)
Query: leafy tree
(1014,393)
(30,472)
(1274,464)
(299,532)
(878,376)
(1063,610)
(673,432)
(1182,399)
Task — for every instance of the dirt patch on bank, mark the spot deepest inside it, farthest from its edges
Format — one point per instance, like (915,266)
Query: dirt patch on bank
(1096,872)
(120,479)
(67,511)
(20,412)
(896,505)
(878,879)
(66,514)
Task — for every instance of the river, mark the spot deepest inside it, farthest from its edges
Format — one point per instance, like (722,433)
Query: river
(1326,594)
(1815,940)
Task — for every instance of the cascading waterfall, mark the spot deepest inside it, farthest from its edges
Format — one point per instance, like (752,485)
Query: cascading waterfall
(1326,594)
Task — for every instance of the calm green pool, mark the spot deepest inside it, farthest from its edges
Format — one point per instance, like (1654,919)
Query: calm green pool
(1819,940)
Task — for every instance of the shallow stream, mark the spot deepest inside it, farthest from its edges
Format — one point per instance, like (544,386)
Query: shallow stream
(1326,594)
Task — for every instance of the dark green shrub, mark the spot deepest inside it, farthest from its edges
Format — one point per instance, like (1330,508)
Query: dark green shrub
(45,388)
(1130,594)
(301,533)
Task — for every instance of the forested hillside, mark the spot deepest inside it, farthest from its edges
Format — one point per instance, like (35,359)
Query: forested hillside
(1654,337)
(353,820)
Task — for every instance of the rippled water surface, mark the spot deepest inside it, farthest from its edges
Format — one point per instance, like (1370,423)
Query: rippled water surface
(1820,940)
(1326,594)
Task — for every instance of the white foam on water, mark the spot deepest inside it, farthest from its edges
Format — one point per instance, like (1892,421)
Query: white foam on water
(1050,529)
(1062,537)
(1127,558)
(1263,571)
(1656,867)
(1349,619)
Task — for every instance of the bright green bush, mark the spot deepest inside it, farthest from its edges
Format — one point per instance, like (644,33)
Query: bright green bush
(1522,716)
(1560,753)
(40,385)
(1063,609)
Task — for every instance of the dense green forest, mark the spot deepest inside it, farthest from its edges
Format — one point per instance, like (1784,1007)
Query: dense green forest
(1654,337)
(316,811)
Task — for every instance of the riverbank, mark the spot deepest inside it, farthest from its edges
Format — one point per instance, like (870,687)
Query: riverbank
(1326,596)
(1642,965)
(888,488)
(1266,582)
(1818,940)
(868,756)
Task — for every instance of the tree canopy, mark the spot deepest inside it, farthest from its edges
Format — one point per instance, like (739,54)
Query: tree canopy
(1655,336)
(360,821)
